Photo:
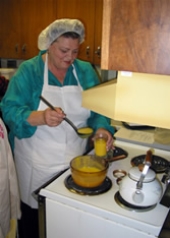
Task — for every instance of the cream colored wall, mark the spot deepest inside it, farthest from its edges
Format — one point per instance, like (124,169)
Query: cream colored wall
(134,97)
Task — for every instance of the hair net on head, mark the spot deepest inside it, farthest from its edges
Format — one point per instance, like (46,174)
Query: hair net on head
(58,28)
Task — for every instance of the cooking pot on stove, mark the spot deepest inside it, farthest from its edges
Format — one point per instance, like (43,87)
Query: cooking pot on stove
(140,187)
(88,171)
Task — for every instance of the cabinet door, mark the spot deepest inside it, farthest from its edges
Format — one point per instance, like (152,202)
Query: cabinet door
(23,20)
(84,11)
(98,31)
(35,16)
(3,16)
(10,29)
(136,36)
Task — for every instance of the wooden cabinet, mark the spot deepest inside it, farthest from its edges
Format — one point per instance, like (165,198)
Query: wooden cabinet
(22,21)
(136,36)
(90,13)
(98,31)
(9,31)
(35,16)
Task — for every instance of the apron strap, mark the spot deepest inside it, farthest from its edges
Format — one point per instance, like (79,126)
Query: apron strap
(46,70)
(75,75)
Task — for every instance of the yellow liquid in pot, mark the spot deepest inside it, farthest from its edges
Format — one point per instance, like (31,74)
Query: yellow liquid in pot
(89,169)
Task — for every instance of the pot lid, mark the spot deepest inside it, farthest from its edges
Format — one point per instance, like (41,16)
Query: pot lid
(135,173)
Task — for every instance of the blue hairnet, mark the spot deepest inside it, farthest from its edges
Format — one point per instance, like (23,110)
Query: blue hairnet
(58,28)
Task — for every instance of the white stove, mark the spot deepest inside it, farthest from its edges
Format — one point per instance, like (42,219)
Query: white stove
(73,215)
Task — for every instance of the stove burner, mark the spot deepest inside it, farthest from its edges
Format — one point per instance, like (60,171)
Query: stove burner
(73,187)
(122,203)
(159,164)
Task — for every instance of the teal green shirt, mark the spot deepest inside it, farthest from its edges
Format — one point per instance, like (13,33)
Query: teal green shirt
(25,87)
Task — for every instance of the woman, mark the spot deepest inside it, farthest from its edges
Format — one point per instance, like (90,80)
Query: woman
(42,142)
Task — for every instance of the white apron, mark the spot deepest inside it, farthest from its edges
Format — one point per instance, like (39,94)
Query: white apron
(50,149)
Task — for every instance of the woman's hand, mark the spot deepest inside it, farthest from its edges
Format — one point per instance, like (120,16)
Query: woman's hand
(47,117)
(53,117)
(110,139)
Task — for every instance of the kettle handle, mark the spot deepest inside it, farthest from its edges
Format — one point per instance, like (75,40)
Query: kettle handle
(145,168)
(148,160)
(148,157)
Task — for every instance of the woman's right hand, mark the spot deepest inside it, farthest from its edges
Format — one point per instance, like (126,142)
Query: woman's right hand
(53,117)
(47,117)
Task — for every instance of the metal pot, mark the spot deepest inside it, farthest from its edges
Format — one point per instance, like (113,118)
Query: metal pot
(88,171)
(140,187)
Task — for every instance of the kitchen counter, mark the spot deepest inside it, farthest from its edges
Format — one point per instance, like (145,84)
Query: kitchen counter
(156,138)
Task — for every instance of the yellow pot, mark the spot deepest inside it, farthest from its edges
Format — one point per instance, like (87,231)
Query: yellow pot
(88,171)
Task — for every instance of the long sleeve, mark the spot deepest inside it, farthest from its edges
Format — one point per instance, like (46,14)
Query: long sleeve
(22,97)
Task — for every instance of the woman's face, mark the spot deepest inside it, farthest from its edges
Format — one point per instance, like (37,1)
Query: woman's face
(63,52)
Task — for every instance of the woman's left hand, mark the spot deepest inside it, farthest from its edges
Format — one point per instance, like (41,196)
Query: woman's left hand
(110,139)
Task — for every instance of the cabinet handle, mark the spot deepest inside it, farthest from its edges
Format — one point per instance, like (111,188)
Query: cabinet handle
(88,51)
(98,51)
(24,48)
(16,48)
